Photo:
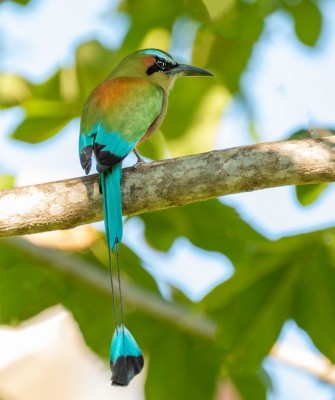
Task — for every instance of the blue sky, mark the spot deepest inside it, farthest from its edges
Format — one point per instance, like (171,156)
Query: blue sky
(290,86)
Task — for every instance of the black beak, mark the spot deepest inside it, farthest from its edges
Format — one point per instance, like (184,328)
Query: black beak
(188,70)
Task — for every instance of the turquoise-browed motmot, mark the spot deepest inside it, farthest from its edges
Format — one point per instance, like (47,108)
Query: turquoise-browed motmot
(121,112)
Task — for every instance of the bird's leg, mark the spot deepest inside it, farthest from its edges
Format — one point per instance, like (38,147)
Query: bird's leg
(140,159)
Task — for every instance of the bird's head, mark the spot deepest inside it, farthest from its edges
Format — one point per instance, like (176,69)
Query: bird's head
(157,67)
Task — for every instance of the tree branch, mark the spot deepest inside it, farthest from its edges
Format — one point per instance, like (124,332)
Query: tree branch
(169,183)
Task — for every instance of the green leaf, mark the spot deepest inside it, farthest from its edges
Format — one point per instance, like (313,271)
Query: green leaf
(251,386)
(37,129)
(50,89)
(252,306)
(21,2)
(314,308)
(189,368)
(254,317)
(48,107)
(307,194)
(307,22)
(26,288)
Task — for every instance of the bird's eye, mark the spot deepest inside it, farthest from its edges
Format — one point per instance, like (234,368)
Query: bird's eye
(161,64)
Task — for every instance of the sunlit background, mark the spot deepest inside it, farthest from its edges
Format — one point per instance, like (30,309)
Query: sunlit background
(287,86)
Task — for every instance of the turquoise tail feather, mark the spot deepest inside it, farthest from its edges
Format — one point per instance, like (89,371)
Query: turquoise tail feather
(126,357)
(112,204)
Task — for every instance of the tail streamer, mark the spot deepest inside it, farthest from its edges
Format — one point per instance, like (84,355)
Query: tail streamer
(126,358)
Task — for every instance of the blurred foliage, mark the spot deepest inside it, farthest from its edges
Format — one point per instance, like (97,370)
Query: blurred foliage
(21,2)
(308,194)
(291,278)
(6,181)
(307,20)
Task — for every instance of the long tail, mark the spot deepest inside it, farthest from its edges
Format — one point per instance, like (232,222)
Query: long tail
(112,203)
(126,359)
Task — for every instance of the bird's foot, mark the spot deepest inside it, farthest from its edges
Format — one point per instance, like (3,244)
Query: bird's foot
(140,159)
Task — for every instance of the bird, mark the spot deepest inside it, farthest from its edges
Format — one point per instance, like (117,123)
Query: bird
(120,113)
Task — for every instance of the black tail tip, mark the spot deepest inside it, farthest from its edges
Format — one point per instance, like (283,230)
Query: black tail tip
(124,369)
